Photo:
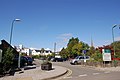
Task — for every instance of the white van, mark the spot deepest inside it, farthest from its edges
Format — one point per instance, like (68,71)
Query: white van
(78,59)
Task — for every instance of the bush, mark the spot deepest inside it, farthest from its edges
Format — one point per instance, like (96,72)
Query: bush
(97,56)
(7,59)
(36,56)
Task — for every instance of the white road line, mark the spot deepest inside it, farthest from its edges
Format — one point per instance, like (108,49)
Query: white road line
(107,72)
(67,77)
(96,73)
(83,75)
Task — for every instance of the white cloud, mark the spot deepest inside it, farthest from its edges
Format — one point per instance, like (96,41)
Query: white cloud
(65,37)
(62,40)
(117,39)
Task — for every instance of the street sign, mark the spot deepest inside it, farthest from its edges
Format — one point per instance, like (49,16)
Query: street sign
(106,54)
(84,51)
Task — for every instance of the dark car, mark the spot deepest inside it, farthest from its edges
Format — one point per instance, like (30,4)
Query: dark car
(57,59)
(30,61)
(23,61)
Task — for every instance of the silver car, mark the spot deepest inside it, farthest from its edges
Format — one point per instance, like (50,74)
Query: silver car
(79,59)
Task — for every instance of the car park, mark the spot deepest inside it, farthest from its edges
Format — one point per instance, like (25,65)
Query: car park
(79,59)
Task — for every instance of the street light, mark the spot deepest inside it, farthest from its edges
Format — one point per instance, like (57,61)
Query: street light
(113,38)
(12,29)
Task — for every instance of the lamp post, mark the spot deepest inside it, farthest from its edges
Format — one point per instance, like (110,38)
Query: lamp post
(113,38)
(54,49)
(12,29)
(11,38)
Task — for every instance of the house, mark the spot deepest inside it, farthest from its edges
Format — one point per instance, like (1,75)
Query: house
(40,52)
(22,49)
(35,52)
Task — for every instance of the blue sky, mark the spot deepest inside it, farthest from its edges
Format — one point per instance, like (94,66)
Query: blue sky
(44,22)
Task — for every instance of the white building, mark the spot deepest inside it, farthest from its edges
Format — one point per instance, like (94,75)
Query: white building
(33,51)
(22,49)
(26,51)
(40,52)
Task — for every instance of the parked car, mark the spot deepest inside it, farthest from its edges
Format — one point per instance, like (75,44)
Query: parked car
(79,59)
(24,61)
(57,60)
(29,60)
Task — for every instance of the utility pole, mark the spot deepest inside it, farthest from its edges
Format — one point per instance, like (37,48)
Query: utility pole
(54,48)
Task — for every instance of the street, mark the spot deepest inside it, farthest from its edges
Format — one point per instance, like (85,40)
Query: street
(86,73)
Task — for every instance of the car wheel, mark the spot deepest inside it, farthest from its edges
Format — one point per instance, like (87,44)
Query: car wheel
(75,62)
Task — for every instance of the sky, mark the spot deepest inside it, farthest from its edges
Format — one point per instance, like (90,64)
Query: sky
(46,22)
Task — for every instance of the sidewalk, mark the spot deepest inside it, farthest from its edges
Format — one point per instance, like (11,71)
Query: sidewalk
(103,68)
(108,68)
(37,74)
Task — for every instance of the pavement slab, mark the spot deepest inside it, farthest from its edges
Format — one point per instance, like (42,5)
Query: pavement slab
(37,74)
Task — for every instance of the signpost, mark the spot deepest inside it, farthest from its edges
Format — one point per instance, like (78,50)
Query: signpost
(106,54)
(84,52)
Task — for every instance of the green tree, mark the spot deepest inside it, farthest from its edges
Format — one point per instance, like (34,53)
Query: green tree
(71,43)
(7,59)
(91,51)
(64,53)
(117,48)
(84,46)
(97,56)
(76,49)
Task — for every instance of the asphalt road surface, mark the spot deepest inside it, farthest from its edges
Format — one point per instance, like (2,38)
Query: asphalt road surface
(87,73)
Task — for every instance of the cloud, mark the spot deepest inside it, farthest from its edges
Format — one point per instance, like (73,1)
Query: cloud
(65,37)
(107,42)
(62,40)
(117,39)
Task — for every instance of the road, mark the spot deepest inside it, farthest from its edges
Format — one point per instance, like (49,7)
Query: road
(87,73)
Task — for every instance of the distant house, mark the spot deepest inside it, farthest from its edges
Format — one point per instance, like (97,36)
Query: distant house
(40,52)
(26,51)
(32,51)
(35,52)
(22,49)
(47,52)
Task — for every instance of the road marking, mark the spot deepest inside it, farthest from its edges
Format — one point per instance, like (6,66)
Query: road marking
(67,77)
(83,75)
(96,73)
(107,72)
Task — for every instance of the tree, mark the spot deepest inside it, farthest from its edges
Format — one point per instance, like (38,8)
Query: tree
(76,49)
(91,51)
(7,59)
(117,48)
(64,53)
(97,56)
(71,43)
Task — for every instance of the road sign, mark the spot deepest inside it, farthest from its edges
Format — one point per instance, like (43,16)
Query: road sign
(106,54)
(84,51)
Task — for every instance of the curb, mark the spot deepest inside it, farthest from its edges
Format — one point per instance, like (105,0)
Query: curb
(56,76)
